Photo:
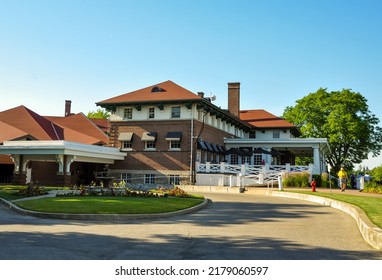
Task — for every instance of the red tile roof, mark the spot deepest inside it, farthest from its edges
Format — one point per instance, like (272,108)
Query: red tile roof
(263,119)
(166,91)
(33,124)
(78,128)
(102,124)
(9,132)
(20,122)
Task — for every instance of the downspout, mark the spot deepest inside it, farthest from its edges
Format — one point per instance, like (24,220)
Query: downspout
(192,147)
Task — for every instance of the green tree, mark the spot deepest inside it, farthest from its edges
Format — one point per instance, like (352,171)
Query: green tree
(343,117)
(99,114)
(376,174)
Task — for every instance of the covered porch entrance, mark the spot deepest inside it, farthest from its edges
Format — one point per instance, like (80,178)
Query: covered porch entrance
(58,162)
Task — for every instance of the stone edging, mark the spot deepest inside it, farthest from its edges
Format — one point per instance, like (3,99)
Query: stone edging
(102,217)
(370,232)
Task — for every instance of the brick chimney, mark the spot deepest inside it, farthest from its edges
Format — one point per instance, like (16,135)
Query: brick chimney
(234,98)
(201,94)
(68,105)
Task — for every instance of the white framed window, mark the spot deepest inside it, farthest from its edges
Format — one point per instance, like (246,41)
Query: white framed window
(126,177)
(175,145)
(150,145)
(234,159)
(126,144)
(149,178)
(174,179)
(246,159)
(175,112)
(276,133)
(128,114)
(151,113)
(257,159)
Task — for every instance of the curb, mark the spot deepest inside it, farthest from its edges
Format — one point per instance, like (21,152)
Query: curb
(102,217)
(370,232)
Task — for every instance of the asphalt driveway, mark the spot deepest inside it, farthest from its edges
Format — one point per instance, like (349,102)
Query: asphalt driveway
(232,226)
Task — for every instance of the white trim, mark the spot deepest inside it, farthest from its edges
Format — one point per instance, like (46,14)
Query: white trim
(61,148)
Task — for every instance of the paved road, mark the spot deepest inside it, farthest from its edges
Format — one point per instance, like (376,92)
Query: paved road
(233,226)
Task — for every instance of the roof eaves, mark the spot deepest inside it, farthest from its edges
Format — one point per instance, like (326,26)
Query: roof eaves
(208,106)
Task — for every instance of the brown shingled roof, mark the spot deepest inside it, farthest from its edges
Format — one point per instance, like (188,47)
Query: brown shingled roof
(166,91)
(263,119)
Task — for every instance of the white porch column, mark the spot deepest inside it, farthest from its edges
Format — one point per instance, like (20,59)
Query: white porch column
(69,161)
(222,167)
(244,169)
(316,160)
(60,161)
(208,167)
(16,160)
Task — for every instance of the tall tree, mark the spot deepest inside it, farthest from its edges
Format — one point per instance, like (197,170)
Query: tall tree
(99,114)
(343,117)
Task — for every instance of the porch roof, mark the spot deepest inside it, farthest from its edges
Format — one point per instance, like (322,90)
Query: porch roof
(293,143)
(82,152)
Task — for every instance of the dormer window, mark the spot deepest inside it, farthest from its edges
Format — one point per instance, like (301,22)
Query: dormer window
(157,89)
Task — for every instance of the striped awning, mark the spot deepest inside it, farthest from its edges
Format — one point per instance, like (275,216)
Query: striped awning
(202,145)
(209,146)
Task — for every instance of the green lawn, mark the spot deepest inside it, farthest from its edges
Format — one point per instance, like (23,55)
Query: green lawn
(109,205)
(371,205)
(10,192)
(100,204)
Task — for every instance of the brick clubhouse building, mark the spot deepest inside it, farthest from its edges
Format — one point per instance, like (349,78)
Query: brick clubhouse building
(161,134)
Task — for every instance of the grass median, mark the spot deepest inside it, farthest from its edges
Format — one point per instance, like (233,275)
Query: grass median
(371,205)
(109,205)
(100,204)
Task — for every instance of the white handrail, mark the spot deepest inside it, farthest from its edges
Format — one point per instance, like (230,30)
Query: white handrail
(258,173)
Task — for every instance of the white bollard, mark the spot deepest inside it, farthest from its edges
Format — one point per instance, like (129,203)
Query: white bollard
(280,179)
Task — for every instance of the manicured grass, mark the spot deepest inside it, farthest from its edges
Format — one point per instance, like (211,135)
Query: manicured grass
(371,205)
(109,205)
(10,192)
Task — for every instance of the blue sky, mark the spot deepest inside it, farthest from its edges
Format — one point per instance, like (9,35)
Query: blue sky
(89,50)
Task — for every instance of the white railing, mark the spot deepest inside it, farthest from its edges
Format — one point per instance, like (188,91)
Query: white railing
(260,174)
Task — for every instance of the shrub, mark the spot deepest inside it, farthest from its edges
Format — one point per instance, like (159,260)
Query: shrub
(372,187)
(32,189)
(376,174)
(178,192)
(324,180)
(296,179)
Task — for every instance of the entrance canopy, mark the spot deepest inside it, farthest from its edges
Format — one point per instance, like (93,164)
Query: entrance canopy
(62,152)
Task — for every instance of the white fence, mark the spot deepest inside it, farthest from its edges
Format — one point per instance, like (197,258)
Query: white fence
(249,174)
